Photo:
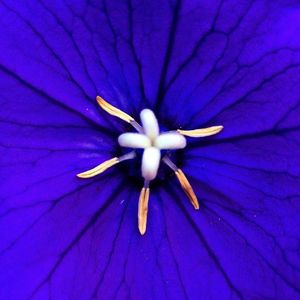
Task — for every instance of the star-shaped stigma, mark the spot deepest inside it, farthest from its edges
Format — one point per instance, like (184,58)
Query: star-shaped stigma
(149,138)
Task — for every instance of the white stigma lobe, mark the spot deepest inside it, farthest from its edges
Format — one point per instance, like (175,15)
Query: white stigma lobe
(150,163)
(149,123)
(134,140)
(170,140)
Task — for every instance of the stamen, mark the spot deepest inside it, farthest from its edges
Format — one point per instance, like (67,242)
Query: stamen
(201,132)
(169,163)
(137,126)
(183,182)
(187,188)
(105,165)
(143,208)
(112,110)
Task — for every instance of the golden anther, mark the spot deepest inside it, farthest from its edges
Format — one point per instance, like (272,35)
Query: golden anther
(201,132)
(113,110)
(143,209)
(99,169)
(187,188)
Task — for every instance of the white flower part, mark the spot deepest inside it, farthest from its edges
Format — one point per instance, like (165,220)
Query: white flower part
(134,140)
(152,142)
(150,163)
(149,123)
(170,140)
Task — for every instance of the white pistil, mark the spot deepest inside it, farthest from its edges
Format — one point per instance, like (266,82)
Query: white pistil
(149,139)
(149,123)
(152,142)
(134,140)
(150,163)
(170,141)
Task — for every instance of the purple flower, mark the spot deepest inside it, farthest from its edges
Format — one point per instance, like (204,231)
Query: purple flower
(195,64)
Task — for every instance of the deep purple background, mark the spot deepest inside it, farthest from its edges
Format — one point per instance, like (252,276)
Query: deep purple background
(195,63)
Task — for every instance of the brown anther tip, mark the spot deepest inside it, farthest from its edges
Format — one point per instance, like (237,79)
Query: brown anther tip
(143,210)
(202,132)
(99,169)
(112,110)
(187,188)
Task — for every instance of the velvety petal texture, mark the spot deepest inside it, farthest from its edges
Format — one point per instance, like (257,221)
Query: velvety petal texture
(196,64)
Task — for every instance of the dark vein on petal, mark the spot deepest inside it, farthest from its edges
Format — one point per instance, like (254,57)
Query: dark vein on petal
(109,201)
(44,180)
(255,135)
(52,205)
(171,250)
(9,146)
(70,35)
(196,48)
(231,202)
(242,182)
(123,281)
(292,109)
(240,212)
(97,52)
(100,60)
(114,45)
(51,50)
(32,162)
(47,126)
(276,271)
(239,69)
(244,217)
(265,171)
(257,88)
(228,35)
(203,240)
(167,57)
(133,50)
(158,265)
(111,252)
(52,100)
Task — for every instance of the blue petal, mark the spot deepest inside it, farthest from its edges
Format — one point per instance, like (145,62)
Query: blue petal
(231,63)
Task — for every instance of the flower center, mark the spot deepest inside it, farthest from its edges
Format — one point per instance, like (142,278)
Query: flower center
(151,141)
